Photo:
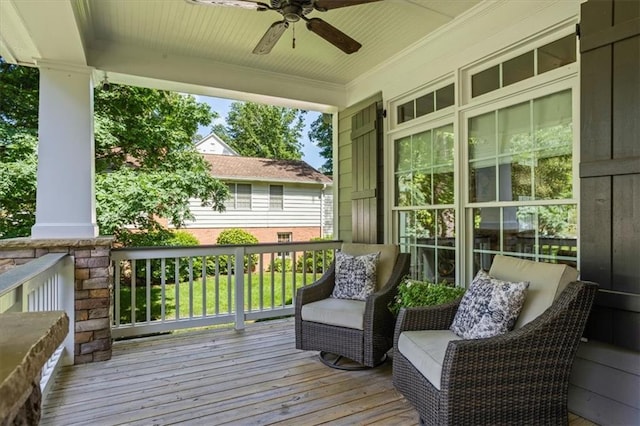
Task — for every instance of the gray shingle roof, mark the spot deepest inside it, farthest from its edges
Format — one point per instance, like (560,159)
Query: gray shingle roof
(248,168)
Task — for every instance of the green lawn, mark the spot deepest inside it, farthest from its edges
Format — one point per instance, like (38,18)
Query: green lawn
(225,288)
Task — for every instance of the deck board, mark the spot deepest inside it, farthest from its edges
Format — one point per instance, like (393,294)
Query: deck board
(221,376)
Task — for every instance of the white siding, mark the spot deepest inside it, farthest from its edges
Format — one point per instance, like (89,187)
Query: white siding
(302,207)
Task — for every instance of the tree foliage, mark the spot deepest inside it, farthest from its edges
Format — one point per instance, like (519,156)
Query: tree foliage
(146,164)
(321,134)
(266,131)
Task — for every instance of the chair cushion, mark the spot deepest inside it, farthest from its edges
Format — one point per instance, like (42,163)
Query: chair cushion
(546,282)
(489,307)
(386,262)
(340,312)
(425,350)
(355,276)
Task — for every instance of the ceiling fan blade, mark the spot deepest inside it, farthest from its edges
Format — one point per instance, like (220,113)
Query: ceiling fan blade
(244,4)
(270,38)
(323,5)
(333,35)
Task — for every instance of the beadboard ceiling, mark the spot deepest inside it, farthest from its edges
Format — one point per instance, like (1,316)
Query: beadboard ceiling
(111,35)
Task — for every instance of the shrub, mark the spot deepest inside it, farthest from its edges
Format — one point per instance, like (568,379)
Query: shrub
(235,236)
(163,237)
(412,293)
(276,266)
(305,263)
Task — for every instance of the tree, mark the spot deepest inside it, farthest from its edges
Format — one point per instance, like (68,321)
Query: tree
(321,134)
(266,131)
(146,165)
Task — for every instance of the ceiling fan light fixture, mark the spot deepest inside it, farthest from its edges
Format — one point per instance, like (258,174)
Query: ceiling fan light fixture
(291,13)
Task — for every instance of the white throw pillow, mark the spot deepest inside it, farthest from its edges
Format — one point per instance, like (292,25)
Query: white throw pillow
(355,276)
(489,307)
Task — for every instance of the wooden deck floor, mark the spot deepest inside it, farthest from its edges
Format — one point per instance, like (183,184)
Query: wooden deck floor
(221,376)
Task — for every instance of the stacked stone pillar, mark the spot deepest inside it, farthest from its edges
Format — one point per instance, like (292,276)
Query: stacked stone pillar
(93,287)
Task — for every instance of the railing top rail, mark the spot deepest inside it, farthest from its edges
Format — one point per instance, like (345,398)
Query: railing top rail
(157,252)
(17,276)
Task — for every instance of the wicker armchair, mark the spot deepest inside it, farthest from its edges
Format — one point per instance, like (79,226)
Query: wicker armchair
(521,377)
(366,346)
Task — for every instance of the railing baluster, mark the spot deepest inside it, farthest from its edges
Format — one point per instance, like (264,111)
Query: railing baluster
(261,280)
(133,292)
(176,277)
(148,290)
(163,289)
(204,286)
(294,276)
(217,266)
(239,275)
(273,283)
(117,295)
(190,287)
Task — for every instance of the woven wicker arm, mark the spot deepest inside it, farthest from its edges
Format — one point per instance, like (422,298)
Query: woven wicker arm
(437,317)
(519,377)
(378,319)
(321,289)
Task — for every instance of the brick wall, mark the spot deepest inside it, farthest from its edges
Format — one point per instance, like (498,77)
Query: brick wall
(264,235)
(93,287)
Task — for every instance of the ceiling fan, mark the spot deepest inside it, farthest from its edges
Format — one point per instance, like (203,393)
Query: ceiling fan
(293,11)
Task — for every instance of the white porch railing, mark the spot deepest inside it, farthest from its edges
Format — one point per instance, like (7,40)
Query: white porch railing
(43,284)
(160,289)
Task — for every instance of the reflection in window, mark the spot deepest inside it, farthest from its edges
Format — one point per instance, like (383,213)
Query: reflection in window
(424,178)
(544,233)
(429,235)
(557,54)
(424,168)
(522,152)
(406,112)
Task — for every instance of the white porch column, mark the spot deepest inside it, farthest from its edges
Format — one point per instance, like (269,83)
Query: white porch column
(65,198)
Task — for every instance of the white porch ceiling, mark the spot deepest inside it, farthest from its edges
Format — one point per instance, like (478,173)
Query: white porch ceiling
(176,45)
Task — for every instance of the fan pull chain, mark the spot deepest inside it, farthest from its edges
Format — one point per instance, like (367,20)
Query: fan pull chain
(293,44)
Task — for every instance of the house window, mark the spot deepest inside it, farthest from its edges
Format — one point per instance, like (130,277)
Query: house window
(425,212)
(520,176)
(284,237)
(276,197)
(426,104)
(545,58)
(495,175)
(239,196)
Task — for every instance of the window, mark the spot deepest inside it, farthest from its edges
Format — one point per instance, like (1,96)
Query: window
(276,198)
(542,59)
(426,104)
(284,237)
(239,196)
(494,175)
(520,176)
(425,214)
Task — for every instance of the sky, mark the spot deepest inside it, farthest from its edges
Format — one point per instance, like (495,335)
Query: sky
(310,152)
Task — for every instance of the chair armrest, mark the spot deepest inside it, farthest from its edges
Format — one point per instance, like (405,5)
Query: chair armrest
(379,301)
(321,289)
(540,354)
(437,317)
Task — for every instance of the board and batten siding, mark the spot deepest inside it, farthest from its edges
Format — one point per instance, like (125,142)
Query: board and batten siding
(302,206)
(345,168)
(605,381)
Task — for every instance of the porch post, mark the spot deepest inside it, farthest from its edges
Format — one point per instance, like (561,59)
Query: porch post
(65,198)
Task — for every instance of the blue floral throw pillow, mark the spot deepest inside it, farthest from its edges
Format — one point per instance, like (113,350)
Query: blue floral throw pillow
(489,307)
(355,276)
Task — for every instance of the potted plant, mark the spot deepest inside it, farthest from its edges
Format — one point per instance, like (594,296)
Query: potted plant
(412,293)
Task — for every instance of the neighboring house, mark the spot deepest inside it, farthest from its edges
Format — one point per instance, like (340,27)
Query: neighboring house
(275,200)
(212,144)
